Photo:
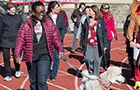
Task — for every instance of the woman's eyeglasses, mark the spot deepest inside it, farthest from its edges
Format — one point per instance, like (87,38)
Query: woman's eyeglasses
(105,8)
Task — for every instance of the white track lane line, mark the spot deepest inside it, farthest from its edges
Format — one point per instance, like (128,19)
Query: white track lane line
(114,88)
(123,61)
(117,48)
(26,79)
(65,72)
(24,82)
(76,78)
(2,64)
(57,86)
(130,88)
(5,87)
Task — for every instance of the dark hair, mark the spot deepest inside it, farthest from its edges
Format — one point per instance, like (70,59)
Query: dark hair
(103,6)
(80,5)
(86,8)
(97,12)
(10,5)
(35,4)
(52,5)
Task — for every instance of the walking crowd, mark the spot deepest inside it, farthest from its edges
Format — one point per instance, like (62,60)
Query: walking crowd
(36,36)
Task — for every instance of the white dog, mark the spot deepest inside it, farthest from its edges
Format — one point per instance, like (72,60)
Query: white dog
(92,82)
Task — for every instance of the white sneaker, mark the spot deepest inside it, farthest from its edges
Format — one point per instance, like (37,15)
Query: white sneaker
(7,78)
(53,79)
(17,74)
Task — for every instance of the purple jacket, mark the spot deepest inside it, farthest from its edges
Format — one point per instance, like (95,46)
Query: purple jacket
(24,41)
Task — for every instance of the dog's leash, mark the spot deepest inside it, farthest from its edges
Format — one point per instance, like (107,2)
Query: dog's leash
(104,56)
(77,70)
(68,63)
(103,85)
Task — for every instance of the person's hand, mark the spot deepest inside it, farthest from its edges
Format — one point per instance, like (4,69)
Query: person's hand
(75,19)
(137,45)
(132,44)
(105,49)
(61,55)
(18,60)
(116,38)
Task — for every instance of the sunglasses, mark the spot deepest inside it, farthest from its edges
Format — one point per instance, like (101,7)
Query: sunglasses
(106,8)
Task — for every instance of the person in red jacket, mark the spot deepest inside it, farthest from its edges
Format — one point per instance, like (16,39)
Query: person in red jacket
(35,39)
(111,31)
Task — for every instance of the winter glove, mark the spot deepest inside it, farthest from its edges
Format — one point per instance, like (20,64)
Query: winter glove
(116,38)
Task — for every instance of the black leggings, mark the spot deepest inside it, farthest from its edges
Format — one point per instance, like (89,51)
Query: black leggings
(6,57)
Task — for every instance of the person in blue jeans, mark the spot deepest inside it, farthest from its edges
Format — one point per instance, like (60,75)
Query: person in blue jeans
(36,38)
(53,13)
(55,66)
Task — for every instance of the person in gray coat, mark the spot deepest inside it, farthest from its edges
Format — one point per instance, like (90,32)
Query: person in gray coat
(76,17)
(25,13)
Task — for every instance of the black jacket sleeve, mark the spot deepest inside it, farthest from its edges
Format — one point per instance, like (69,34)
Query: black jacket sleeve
(126,24)
(1,27)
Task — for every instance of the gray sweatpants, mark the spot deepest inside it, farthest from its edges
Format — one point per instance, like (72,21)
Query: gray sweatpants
(93,60)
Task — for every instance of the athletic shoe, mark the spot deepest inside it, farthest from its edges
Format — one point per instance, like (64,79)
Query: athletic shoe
(53,79)
(17,74)
(7,78)
(137,85)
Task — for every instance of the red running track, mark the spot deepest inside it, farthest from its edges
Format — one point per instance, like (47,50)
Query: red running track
(67,79)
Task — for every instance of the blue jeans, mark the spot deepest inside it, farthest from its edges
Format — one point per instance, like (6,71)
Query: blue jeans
(38,74)
(55,65)
(75,41)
